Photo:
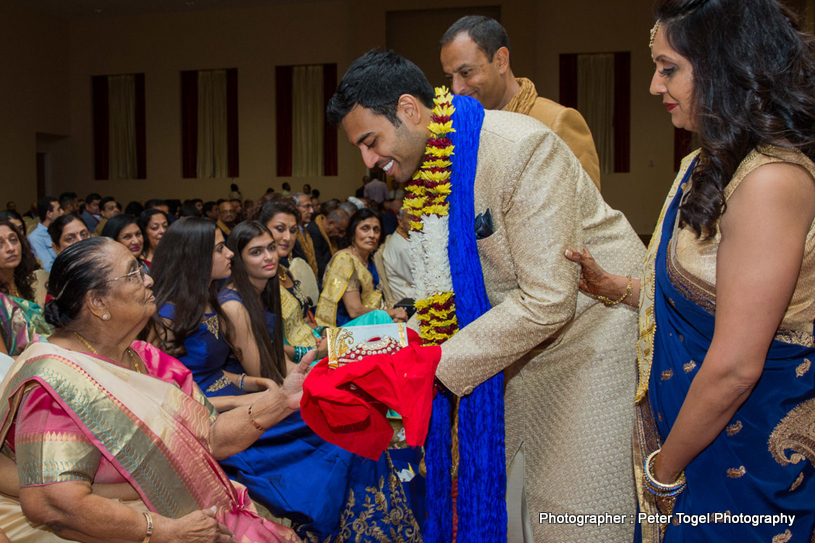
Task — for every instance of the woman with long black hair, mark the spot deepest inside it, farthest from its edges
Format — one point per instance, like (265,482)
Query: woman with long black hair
(321,488)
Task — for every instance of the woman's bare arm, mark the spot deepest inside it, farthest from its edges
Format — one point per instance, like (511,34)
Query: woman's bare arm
(759,259)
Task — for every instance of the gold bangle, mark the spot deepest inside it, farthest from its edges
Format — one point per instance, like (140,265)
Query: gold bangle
(608,302)
(149,528)
(254,422)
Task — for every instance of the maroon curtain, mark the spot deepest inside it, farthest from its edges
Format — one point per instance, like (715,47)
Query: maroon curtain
(141,129)
(682,146)
(283,86)
(329,131)
(189,123)
(568,80)
(232,121)
(101,127)
(622,112)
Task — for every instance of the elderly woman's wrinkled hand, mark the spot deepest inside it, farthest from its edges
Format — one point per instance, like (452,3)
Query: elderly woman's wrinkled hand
(292,387)
(197,527)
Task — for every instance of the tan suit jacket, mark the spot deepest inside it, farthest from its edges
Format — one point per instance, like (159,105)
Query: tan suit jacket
(569,361)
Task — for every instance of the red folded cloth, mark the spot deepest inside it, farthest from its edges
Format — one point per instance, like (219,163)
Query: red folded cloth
(351,419)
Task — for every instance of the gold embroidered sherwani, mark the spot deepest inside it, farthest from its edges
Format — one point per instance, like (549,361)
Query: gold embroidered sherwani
(569,361)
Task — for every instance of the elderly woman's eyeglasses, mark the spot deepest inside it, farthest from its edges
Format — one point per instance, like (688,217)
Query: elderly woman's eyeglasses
(140,271)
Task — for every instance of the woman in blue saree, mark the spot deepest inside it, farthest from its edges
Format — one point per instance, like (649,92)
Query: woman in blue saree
(327,493)
(725,407)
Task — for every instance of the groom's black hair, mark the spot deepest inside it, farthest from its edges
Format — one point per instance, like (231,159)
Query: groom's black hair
(375,81)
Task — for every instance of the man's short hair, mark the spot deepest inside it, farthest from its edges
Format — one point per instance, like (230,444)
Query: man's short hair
(66,198)
(209,205)
(488,34)
(154,203)
(104,201)
(337,215)
(375,81)
(44,206)
(91,197)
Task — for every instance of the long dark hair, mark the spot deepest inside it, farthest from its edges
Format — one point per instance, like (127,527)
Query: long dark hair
(144,220)
(24,272)
(754,85)
(116,224)
(181,271)
(270,347)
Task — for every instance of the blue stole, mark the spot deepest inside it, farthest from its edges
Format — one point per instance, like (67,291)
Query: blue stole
(751,468)
(482,514)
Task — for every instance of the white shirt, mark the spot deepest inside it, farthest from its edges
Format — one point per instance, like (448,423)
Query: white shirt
(396,256)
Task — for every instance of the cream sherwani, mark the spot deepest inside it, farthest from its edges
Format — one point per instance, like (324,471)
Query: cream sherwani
(569,361)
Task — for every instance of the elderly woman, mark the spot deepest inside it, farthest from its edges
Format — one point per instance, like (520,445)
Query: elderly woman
(349,296)
(95,406)
(727,390)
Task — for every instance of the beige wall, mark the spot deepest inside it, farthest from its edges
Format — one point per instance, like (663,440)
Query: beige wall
(33,97)
(59,59)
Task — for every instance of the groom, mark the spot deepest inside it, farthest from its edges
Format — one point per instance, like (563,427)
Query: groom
(569,361)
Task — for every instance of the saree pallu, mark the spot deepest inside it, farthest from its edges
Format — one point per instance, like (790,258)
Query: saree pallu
(152,428)
(762,462)
(21,323)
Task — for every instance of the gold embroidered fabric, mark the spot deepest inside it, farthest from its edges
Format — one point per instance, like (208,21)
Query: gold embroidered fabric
(692,262)
(298,333)
(220,384)
(647,324)
(55,457)
(355,521)
(341,274)
(795,432)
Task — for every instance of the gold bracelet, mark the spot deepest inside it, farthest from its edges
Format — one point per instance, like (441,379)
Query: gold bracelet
(252,418)
(149,528)
(608,302)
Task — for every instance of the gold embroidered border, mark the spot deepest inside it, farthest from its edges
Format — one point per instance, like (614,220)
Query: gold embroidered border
(220,384)
(795,432)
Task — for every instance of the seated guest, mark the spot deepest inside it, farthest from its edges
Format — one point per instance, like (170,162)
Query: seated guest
(69,203)
(304,247)
(289,468)
(156,203)
(134,208)
(67,230)
(226,216)
(91,214)
(125,229)
(18,286)
(325,230)
(15,219)
(95,406)
(237,205)
(48,209)
(153,223)
(108,207)
(349,296)
(210,211)
(396,258)
(281,218)
(189,209)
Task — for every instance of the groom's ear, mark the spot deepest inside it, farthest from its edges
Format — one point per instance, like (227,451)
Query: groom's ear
(409,109)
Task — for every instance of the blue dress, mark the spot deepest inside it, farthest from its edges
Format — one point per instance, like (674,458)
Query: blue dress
(327,492)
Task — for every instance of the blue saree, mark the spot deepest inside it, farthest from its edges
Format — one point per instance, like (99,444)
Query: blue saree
(328,493)
(762,462)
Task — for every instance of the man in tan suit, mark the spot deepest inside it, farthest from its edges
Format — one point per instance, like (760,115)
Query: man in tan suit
(569,361)
(475,58)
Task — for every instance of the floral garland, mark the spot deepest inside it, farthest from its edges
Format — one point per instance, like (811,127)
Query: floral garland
(427,204)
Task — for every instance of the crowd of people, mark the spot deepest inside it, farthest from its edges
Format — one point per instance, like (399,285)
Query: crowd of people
(157,356)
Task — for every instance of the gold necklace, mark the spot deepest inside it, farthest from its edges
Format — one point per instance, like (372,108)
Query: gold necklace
(282,274)
(136,365)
